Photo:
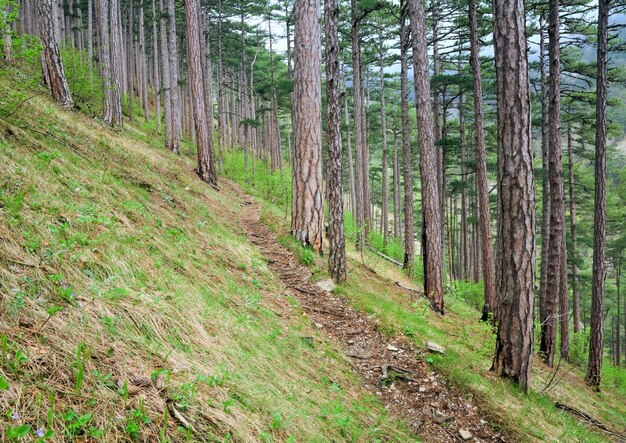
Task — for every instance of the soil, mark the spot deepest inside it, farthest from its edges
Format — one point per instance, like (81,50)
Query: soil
(390,368)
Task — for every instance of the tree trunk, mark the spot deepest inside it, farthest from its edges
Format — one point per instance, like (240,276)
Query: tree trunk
(572,211)
(482,189)
(350,160)
(383,119)
(409,237)
(357,92)
(116,64)
(397,210)
(174,88)
(51,59)
(307,212)
(516,276)
(431,208)
(336,240)
(463,254)
(167,80)
(102,7)
(144,65)
(557,256)
(155,66)
(594,368)
(195,60)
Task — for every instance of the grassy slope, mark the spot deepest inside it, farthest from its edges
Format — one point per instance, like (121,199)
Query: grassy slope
(469,344)
(116,262)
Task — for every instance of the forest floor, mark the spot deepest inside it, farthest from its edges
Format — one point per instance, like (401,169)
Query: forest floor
(390,367)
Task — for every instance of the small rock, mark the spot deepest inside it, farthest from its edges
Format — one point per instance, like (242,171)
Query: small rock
(319,325)
(422,389)
(434,347)
(326,285)
(392,348)
(465,434)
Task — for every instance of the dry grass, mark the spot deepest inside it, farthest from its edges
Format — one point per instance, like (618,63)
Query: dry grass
(125,284)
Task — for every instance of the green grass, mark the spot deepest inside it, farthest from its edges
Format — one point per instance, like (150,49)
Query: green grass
(469,344)
(117,263)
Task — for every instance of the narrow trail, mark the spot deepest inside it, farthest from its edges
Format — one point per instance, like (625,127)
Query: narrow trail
(390,368)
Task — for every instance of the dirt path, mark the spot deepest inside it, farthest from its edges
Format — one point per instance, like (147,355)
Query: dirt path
(390,368)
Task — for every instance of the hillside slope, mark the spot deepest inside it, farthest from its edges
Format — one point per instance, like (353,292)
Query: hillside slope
(133,307)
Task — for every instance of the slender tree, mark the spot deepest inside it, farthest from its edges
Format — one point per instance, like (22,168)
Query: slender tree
(307,213)
(516,277)
(336,240)
(431,209)
(594,367)
(53,70)
(481,163)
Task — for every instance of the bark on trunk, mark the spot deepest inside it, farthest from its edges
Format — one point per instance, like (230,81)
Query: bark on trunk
(431,208)
(482,188)
(594,368)
(336,240)
(572,211)
(51,59)
(409,237)
(516,276)
(307,213)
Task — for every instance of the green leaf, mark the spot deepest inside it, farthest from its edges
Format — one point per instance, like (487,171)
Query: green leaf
(4,383)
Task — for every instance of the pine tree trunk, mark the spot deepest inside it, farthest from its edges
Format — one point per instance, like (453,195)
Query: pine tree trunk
(336,240)
(409,237)
(307,212)
(546,311)
(350,160)
(397,210)
(221,105)
(383,121)
(102,7)
(557,257)
(174,87)
(167,80)
(195,60)
(572,211)
(594,368)
(51,59)
(90,39)
(482,189)
(463,255)
(516,276)
(357,89)
(144,65)
(116,64)
(8,38)
(431,208)
(155,67)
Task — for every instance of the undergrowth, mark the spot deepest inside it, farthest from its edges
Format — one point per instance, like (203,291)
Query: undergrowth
(469,343)
(130,297)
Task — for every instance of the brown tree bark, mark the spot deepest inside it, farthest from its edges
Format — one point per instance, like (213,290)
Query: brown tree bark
(102,10)
(116,64)
(174,87)
(431,208)
(195,60)
(167,79)
(350,160)
(51,59)
(307,213)
(594,368)
(547,309)
(409,236)
(143,64)
(572,212)
(397,210)
(516,276)
(556,285)
(155,66)
(482,189)
(383,121)
(357,91)
(336,240)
